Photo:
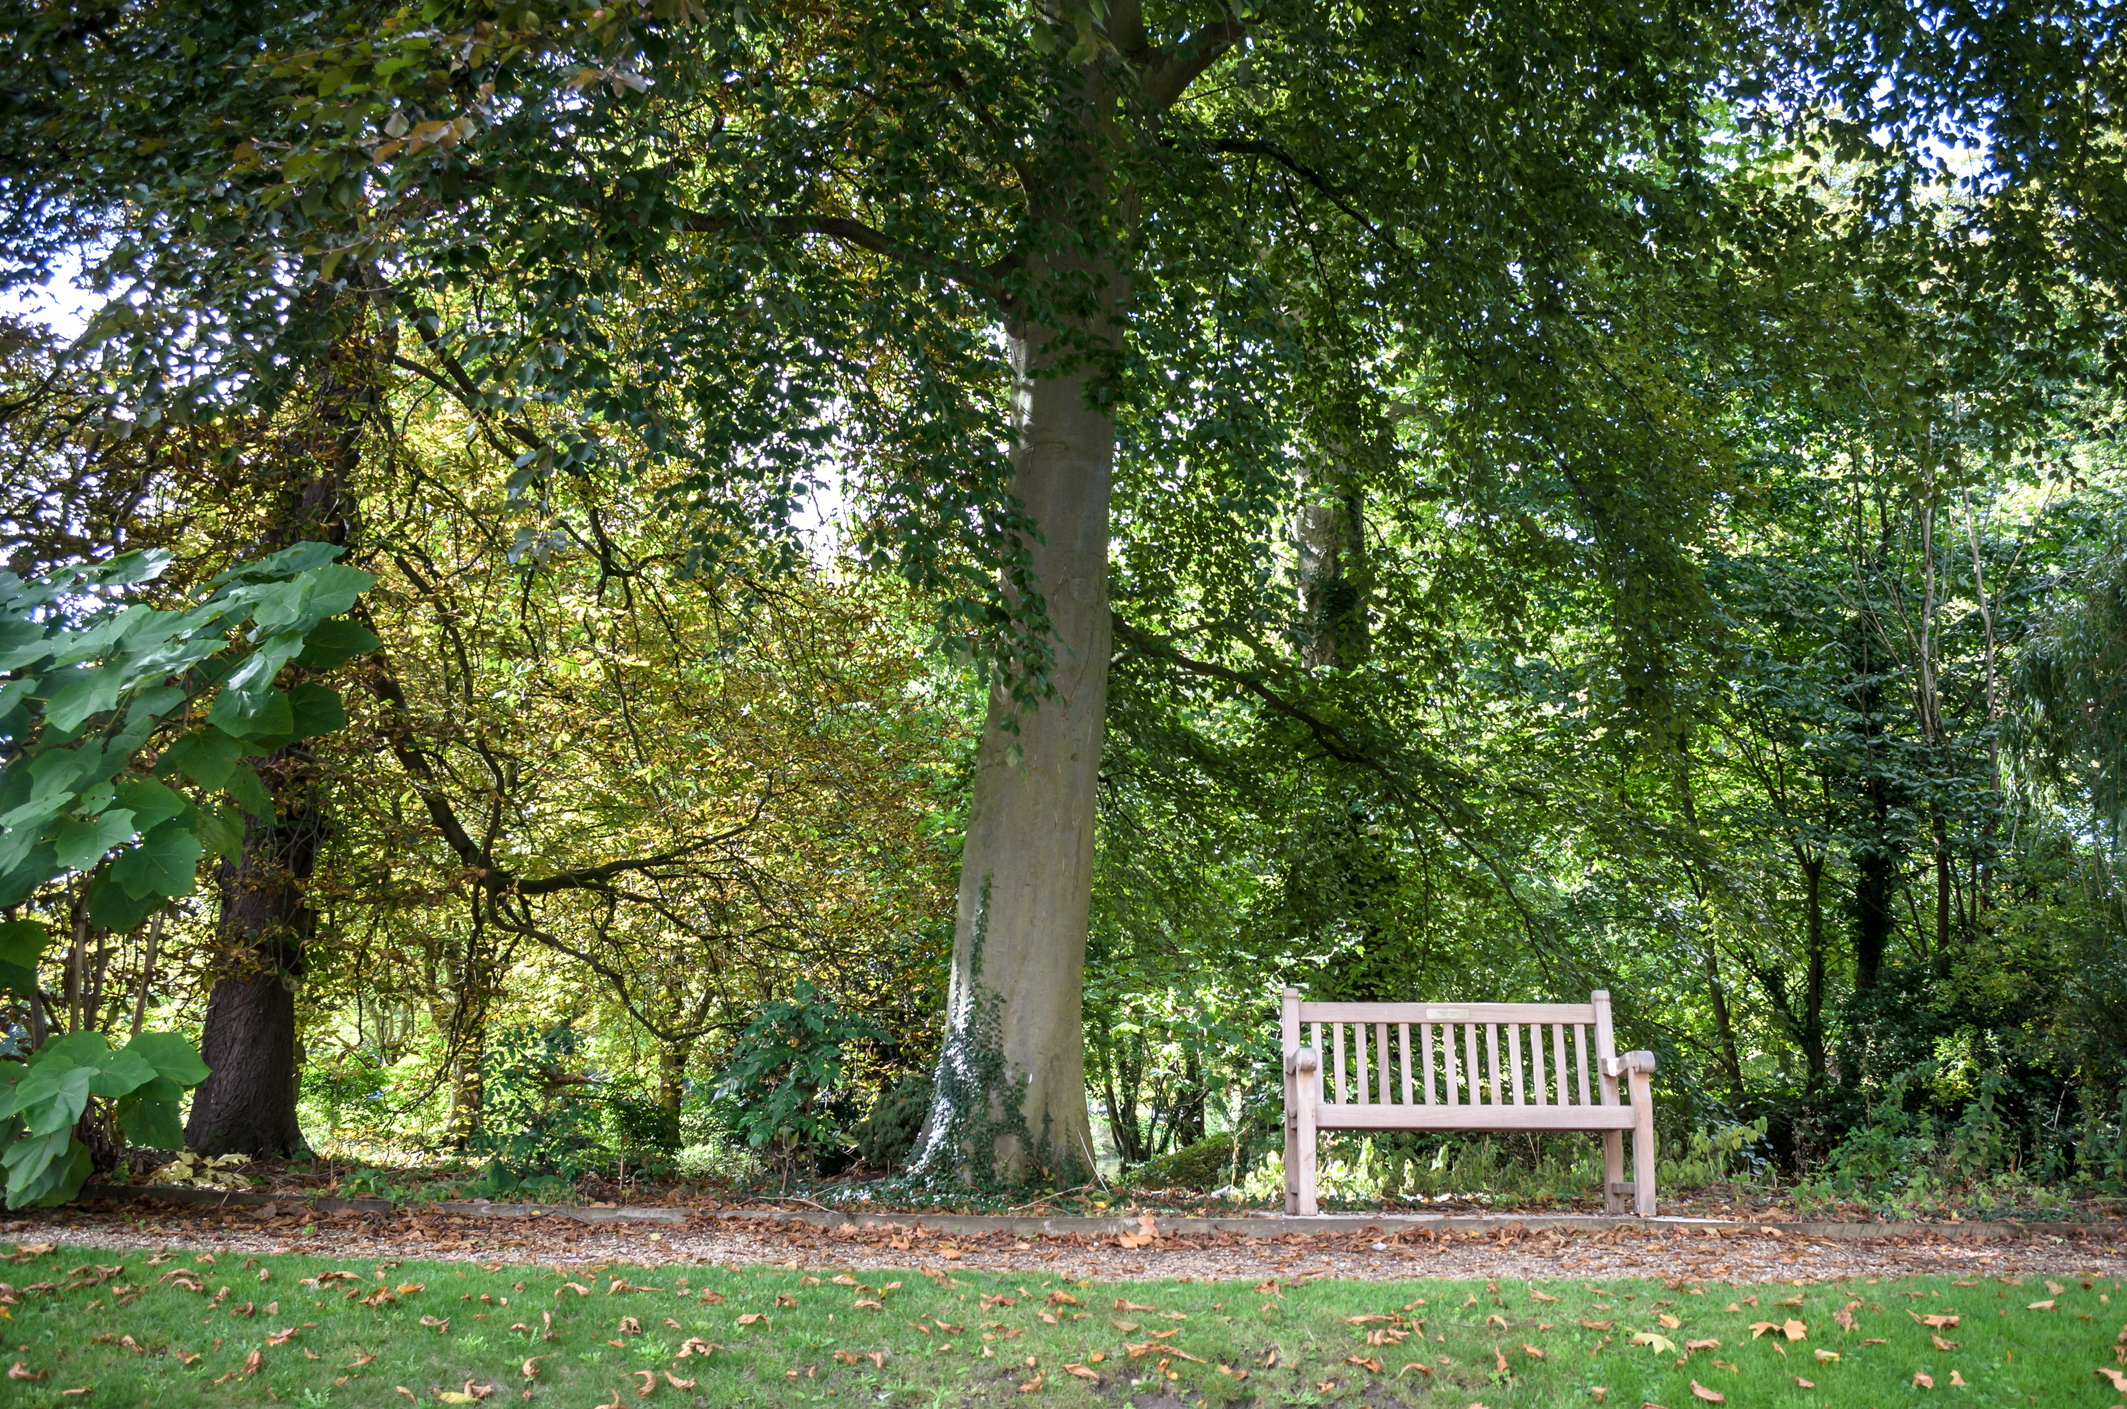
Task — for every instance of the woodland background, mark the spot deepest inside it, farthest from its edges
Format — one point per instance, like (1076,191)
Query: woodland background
(1745,635)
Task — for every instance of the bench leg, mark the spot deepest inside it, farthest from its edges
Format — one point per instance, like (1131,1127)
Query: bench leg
(1613,1171)
(1304,1168)
(1642,1144)
(1292,1143)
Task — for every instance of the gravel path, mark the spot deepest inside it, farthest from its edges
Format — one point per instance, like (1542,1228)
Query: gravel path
(1669,1253)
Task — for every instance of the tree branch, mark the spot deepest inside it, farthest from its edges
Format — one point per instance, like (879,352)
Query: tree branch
(1165,74)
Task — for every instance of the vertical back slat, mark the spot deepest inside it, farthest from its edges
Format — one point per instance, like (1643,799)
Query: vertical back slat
(1425,1051)
(1336,1031)
(1382,1063)
(1514,1048)
(1472,1072)
(1558,1062)
(1491,1047)
(1447,1050)
(1321,1066)
(1536,1062)
(1361,1040)
(1403,1044)
(1580,1058)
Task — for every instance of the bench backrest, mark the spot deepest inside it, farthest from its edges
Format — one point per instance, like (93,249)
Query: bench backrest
(1459,1045)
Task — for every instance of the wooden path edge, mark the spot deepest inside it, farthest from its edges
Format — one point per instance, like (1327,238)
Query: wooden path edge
(1251,1226)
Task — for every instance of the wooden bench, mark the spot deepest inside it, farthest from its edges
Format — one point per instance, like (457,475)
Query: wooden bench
(1317,1091)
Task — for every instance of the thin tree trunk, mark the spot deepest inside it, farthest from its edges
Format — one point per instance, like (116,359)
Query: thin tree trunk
(1330,530)
(1813,996)
(1723,1024)
(672,1085)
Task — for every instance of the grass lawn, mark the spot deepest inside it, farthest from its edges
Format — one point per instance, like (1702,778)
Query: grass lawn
(176,1330)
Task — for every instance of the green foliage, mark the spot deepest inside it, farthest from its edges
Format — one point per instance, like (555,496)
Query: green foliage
(97,681)
(1205,1165)
(784,1071)
(886,1135)
(540,1117)
(44,1098)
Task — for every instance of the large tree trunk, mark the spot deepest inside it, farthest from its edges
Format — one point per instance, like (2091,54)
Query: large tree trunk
(1027,864)
(247,1103)
(248,1041)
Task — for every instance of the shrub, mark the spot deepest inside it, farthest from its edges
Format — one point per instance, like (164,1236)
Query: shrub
(885,1136)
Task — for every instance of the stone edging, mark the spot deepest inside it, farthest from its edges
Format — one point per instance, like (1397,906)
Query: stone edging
(1253,1226)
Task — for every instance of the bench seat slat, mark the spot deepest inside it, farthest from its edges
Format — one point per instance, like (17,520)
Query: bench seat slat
(1448,1012)
(1335,1117)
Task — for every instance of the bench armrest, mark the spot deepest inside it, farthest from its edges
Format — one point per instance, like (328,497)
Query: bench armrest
(1306,1059)
(1630,1062)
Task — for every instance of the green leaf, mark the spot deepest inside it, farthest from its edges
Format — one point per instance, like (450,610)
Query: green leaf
(88,694)
(22,946)
(206,757)
(171,1056)
(32,871)
(249,716)
(288,562)
(80,845)
(336,642)
(112,908)
(250,794)
(52,1097)
(150,802)
(77,1049)
(149,1116)
(164,863)
(14,692)
(317,710)
(30,1165)
(61,1178)
(119,1073)
(221,831)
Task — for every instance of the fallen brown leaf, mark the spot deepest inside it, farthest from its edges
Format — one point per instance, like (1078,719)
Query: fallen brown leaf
(20,1371)
(1532,1352)
(1702,1345)
(1940,1343)
(251,1362)
(1806,1384)
(2046,1305)
(1535,1295)
(1711,1396)
(677,1383)
(1598,1325)
(1083,1373)
(1669,1323)
(1031,1385)
(1924,1381)
(649,1379)
(1370,1363)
